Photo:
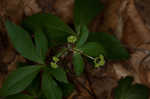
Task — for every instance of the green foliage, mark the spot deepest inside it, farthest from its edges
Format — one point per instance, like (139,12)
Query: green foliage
(78,63)
(34,89)
(84,36)
(18,80)
(113,48)
(67,88)
(127,90)
(49,31)
(93,49)
(85,11)
(19,96)
(41,44)
(55,29)
(59,74)
(50,87)
(22,42)
(46,21)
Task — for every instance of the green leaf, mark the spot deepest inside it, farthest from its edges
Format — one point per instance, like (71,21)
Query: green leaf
(84,36)
(42,97)
(126,90)
(19,96)
(67,88)
(55,29)
(85,11)
(50,87)
(59,74)
(41,44)
(114,49)
(34,88)
(18,80)
(93,49)
(124,85)
(22,42)
(78,63)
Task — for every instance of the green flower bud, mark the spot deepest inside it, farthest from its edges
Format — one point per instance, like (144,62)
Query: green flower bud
(54,65)
(72,39)
(99,61)
(55,59)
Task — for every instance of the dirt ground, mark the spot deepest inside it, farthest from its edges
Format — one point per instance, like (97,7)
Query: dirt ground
(128,20)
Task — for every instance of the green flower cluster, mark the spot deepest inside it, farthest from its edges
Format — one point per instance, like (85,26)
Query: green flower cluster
(72,39)
(99,61)
(54,62)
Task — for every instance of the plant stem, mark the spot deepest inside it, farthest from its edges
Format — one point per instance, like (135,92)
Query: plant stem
(79,51)
(62,52)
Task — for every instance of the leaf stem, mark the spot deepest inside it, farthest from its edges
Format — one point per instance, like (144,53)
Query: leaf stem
(77,50)
(62,52)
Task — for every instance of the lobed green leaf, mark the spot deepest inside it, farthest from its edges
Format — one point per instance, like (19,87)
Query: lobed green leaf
(19,96)
(19,79)
(85,11)
(93,49)
(67,88)
(126,90)
(55,29)
(114,49)
(78,63)
(59,74)
(84,36)
(22,42)
(41,44)
(50,87)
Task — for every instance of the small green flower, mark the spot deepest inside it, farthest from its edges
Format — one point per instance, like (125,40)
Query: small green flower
(99,61)
(55,59)
(72,39)
(54,65)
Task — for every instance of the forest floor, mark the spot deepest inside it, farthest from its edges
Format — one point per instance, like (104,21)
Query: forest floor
(128,20)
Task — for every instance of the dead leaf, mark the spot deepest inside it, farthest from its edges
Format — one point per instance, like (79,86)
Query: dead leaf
(31,7)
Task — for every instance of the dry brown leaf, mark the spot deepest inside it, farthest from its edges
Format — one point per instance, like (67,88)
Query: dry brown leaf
(12,9)
(102,80)
(139,30)
(61,8)
(31,7)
